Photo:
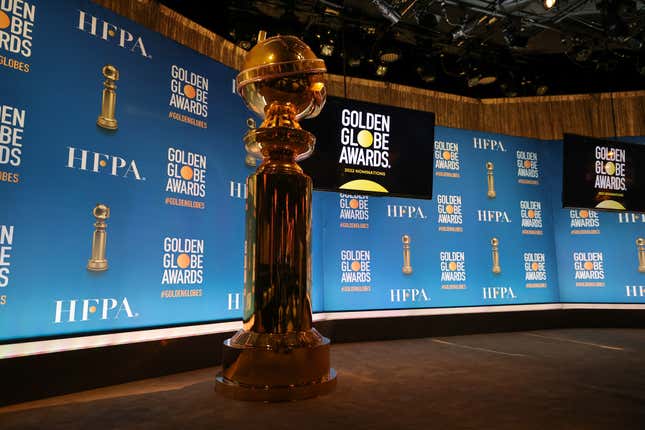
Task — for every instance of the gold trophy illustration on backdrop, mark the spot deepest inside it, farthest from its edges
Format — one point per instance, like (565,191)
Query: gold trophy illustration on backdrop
(249,159)
(491,180)
(497,269)
(107,118)
(278,355)
(98,262)
(640,244)
(407,267)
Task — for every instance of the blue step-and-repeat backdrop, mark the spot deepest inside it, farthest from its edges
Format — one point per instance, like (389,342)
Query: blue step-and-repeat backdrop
(171,171)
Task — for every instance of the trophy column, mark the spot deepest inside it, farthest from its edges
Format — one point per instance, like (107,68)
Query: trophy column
(490,180)
(407,267)
(497,269)
(640,244)
(107,118)
(98,262)
(278,355)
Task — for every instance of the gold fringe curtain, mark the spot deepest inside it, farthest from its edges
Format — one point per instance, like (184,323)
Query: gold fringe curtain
(600,115)
(450,110)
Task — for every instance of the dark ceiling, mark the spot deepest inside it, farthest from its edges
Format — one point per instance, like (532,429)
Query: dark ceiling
(454,46)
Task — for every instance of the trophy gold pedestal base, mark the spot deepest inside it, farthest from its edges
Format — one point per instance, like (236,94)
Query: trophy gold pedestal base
(107,123)
(97,265)
(275,367)
(237,391)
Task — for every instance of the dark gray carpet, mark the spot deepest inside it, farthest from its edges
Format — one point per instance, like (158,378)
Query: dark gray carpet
(557,379)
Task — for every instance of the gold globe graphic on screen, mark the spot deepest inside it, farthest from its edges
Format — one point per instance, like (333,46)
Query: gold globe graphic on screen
(365,138)
(278,355)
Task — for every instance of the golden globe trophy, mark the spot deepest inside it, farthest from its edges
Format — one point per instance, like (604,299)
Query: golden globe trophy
(278,355)
(491,194)
(107,118)
(640,244)
(497,269)
(407,267)
(98,262)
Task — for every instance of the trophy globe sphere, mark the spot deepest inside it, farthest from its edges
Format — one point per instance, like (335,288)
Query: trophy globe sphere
(110,72)
(283,70)
(101,211)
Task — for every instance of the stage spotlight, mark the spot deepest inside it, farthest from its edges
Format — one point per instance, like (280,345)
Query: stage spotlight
(541,90)
(427,72)
(549,4)
(368,29)
(472,81)
(480,79)
(487,74)
(326,42)
(388,52)
(387,49)
(389,55)
(326,49)
(478,74)
(381,70)
(487,79)
(472,73)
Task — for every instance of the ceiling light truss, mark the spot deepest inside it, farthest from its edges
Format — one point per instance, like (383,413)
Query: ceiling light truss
(459,28)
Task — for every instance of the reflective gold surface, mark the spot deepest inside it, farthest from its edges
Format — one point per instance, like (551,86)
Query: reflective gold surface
(278,355)
(107,118)
(407,267)
(497,269)
(250,159)
(98,261)
(640,243)
(491,181)
(283,70)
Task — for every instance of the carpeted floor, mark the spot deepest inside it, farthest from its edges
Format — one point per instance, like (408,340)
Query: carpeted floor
(557,379)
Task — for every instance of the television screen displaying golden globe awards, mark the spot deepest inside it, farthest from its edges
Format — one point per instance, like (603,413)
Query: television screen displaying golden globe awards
(371,148)
(603,174)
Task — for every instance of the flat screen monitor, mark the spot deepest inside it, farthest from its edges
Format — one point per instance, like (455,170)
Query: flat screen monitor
(369,148)
(603,174)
